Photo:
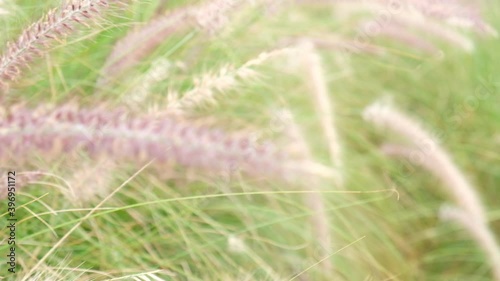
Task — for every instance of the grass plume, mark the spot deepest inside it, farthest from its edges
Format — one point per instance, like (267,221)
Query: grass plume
(53,26)
(139,43)
(227,77)
(429,153)
(315,75)
(426,151)
(65,130)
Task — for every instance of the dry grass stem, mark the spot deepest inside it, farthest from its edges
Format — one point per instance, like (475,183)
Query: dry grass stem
(314,201)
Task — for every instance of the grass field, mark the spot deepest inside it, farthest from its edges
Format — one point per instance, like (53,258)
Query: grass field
(350,213)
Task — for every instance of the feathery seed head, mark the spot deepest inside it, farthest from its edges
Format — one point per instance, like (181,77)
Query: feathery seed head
(53,26)
(65,130)
(430,155)
(210,16)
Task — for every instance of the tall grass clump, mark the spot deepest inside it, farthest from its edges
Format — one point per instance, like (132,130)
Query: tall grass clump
(223,140)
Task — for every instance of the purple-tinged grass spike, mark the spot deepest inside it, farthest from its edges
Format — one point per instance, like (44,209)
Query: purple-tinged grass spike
(53,26)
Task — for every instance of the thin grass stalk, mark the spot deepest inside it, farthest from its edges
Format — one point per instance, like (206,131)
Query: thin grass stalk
(19,180)
(314,201)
